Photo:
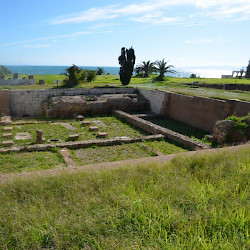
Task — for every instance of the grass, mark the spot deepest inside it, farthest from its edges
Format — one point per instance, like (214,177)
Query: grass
(169,84)
(113,126)
(19,162)
(182,128)
(191,203)
(123,152)
(110,153)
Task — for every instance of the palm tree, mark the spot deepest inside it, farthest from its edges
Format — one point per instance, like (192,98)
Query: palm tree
(146,67)
(162,67)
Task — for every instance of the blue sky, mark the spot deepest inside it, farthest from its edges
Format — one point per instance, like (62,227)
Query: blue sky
(199,34)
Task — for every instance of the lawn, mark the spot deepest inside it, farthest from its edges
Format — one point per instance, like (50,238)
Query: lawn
(19,162)
(123,152)
(198,202)
(182,128)
(54,130)
(169,84)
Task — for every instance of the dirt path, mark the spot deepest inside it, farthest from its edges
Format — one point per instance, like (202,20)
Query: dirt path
(5,178)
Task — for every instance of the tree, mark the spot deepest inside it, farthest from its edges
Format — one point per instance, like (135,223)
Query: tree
(127,62)
(193,75)
(99,71)
(4,70)
(248,70)
(77,75)
(162,67)
(146,67)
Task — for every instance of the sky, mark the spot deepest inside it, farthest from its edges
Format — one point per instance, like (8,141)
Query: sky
(190,34)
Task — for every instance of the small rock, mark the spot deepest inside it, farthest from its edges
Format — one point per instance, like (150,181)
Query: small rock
(7,129)
(79,118)
(9,135)
(86,123)
(7,143)
(102,134)
(74,137)
(93,128)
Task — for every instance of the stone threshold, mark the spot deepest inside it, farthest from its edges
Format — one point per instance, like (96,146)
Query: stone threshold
(156,129)
(82,144)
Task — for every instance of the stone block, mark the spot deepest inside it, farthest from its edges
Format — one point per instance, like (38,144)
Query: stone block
(7,129)
(93,128)
(7,143)
(102,134)
(7,135)
(74,137)
(79,118)
(86,123)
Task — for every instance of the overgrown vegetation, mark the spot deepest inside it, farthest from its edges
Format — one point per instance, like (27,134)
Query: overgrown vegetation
(240,122)
(191,203)
(77,76)
(4,71)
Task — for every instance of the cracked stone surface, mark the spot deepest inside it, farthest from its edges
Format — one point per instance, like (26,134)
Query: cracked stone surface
(99,123)
(23,136)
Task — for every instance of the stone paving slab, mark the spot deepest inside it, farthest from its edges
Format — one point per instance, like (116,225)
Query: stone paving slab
(23,136)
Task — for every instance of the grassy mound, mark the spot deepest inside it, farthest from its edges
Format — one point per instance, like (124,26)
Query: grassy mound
(192,202)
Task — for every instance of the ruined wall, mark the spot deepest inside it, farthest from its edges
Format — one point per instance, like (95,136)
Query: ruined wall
(4,102)
(200,112)
(29,102)
(17,81)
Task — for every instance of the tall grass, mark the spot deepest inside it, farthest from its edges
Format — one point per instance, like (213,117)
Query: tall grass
(191,203)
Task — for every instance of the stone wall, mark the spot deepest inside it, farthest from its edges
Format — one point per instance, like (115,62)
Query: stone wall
(28,103)
(4,102)
(196,111)
(17,81)
(156,129)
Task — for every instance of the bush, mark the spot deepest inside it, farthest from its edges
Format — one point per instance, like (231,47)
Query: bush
(4,70)
(77,76)
(99,71)
(91,75)
(239,121)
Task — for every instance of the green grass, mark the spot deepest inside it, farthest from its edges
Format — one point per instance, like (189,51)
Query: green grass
(19,162)
(182,128)
(110,153)
(169,84)
(114,128)
(123,152)
(191,203)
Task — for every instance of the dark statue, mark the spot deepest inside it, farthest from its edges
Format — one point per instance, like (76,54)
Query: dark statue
(127,62)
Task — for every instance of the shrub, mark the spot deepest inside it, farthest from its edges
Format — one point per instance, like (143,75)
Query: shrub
(91,75)
(239,121)
(99,71)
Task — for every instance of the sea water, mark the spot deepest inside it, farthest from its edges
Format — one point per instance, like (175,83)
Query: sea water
(57,70)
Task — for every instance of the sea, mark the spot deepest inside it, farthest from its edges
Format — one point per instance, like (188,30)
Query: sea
(57,70)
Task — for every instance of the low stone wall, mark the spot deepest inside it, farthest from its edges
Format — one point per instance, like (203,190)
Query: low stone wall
(71,106)
(82,144)
(156,129)
(229,86)
(17,81)
(200,112)
(28,103)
